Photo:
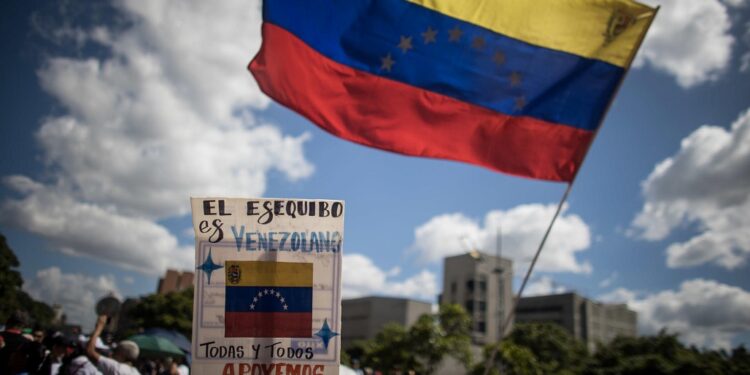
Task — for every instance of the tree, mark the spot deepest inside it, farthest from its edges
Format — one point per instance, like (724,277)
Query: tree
(11,294)
(423,346)
(659,354)
(556,350)
(171,311)
(391,350)
(435,336)
(512,358)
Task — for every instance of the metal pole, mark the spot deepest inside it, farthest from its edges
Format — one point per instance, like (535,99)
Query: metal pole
(507,321)
(509,317)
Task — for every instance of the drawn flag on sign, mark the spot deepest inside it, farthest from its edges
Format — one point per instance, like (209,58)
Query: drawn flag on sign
(268,299)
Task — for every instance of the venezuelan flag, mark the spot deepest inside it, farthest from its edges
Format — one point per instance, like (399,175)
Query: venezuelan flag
(268,299)
(517,86)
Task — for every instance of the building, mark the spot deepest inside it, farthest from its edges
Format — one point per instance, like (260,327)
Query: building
(590,321)
(483,285)
(363,318)
(174,281)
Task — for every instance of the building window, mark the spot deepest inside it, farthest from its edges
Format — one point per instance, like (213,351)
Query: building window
(470,286)
(482,306)
(481,327)
(470,306)
(454,287)
(483,283)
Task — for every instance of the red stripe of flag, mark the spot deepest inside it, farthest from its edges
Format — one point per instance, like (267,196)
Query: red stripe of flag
(393,116)
(263,324)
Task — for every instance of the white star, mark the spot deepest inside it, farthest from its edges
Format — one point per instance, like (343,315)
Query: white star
(252,306)
(285,307)
(272,292)
(255,299)
(278,294)
(281,299)
(265,291)
(260,294)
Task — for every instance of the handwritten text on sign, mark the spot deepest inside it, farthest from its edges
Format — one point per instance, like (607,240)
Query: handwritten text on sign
(268,286)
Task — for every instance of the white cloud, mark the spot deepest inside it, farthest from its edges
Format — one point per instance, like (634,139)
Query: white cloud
(76,293)
(543,286)
(745,58)
(690,40)
(609,280)
(692,311)
(166,114)
(735,3)
(81,229)
(706,183)
(522,228)
(363,278)
(619,295)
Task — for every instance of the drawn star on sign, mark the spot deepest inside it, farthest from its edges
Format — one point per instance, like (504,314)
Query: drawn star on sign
(273,294)
(209,266)
(326,334)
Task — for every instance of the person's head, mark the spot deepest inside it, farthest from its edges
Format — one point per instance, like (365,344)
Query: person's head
(17,320)
(126,351)
(62,346)
(38,335)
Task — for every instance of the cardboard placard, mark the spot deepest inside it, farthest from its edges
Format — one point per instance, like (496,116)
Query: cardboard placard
(267,286)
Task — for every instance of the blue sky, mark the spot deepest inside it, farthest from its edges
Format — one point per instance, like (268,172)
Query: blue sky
(115,114)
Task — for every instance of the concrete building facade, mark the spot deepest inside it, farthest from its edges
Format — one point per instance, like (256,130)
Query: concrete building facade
(590,321)
(483,285)
(174,281)
(363,318)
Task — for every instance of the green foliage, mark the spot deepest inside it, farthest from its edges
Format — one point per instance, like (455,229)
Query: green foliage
(13,297)
(422,347)
(661,354)
(391,349)
(536,348)
(512,358)
(555,349)
(170,311)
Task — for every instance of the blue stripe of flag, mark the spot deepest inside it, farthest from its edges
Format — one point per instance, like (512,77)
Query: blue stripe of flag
(240,299)
(558,87)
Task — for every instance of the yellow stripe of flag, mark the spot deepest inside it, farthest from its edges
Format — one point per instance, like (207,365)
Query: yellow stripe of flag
(254,273)
(607,30)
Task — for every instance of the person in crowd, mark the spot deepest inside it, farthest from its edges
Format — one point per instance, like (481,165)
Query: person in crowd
(27,359)
(12,338)
(38,335)
(123,358)
(60,347)
(77,363)
(183,368)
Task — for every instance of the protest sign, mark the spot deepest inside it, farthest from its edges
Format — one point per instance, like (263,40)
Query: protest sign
(268,286)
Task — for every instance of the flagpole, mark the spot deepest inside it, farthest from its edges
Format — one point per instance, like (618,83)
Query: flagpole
(509,318)
(563,199)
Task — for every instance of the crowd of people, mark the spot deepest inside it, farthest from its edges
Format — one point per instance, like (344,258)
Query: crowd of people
(25,350)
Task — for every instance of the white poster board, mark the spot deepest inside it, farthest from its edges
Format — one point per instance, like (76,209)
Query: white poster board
(267,286)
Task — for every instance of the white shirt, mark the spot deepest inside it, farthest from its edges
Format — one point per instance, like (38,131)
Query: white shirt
(109,366)
(82,366)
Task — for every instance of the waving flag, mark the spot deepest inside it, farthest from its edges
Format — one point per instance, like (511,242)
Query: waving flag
(517,86)
(268,299)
